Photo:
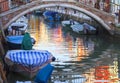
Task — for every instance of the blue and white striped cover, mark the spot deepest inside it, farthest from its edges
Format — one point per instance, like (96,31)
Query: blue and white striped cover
(30,58)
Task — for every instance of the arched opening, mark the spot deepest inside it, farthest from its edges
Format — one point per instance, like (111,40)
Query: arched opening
(97,18)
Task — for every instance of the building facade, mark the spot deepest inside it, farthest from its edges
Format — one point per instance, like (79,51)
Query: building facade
(115,8)
(4,5)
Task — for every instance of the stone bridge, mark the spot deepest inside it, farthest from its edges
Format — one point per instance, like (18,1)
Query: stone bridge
(105,19)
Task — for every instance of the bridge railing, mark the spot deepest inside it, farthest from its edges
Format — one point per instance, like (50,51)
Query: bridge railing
(6,5)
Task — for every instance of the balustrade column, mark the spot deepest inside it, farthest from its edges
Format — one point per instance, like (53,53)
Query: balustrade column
(10,5)
(101,5)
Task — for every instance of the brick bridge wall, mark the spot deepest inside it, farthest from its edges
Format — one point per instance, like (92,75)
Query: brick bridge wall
(102,17)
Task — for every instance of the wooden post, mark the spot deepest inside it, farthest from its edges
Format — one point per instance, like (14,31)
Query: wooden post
(2,73)
(1,49)
(1,28)
(3,35)
(10,5)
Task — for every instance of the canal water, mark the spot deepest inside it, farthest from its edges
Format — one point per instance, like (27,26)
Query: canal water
(79,58)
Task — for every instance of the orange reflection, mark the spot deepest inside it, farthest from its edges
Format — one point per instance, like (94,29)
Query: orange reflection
(57,35)
(70,44)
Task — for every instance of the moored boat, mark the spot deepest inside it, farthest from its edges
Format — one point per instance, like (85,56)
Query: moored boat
(28,62)
(52,16)
(69,22)
(17,28)
(22,19)
(88,29)
(84,29)
(78,28)
(15,41)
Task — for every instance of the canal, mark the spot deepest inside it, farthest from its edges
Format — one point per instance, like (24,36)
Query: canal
(79,58)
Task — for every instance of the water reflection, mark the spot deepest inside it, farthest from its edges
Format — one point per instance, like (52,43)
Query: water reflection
(79,59)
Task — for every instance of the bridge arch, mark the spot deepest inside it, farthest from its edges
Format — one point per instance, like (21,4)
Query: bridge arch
(66,5)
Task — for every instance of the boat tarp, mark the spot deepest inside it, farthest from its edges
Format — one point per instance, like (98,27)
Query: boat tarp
(77,27)
(29,58)
(68,22)
(50,13)
(89,27)
(17,39)
(26,42)
(21,26)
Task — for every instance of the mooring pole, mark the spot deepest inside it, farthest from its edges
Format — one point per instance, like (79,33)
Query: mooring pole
(3,35)
(1,29)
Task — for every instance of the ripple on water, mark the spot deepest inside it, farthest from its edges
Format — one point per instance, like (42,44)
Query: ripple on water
(67,70)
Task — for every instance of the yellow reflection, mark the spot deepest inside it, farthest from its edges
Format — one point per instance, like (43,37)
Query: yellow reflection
(114,72)
(38,30)
(81,49)
(32,22)
(43,35)
(89,75)
(34,27)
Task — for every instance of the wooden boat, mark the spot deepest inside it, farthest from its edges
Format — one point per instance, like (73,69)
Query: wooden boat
(15,41)
(42,76)
(51,16)
(69,22)
(22,19)
(84,29)
(88,29)
(28,62)
(78,28)
(17,28)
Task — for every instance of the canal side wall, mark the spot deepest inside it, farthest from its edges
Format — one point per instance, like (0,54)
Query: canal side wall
(2,50)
